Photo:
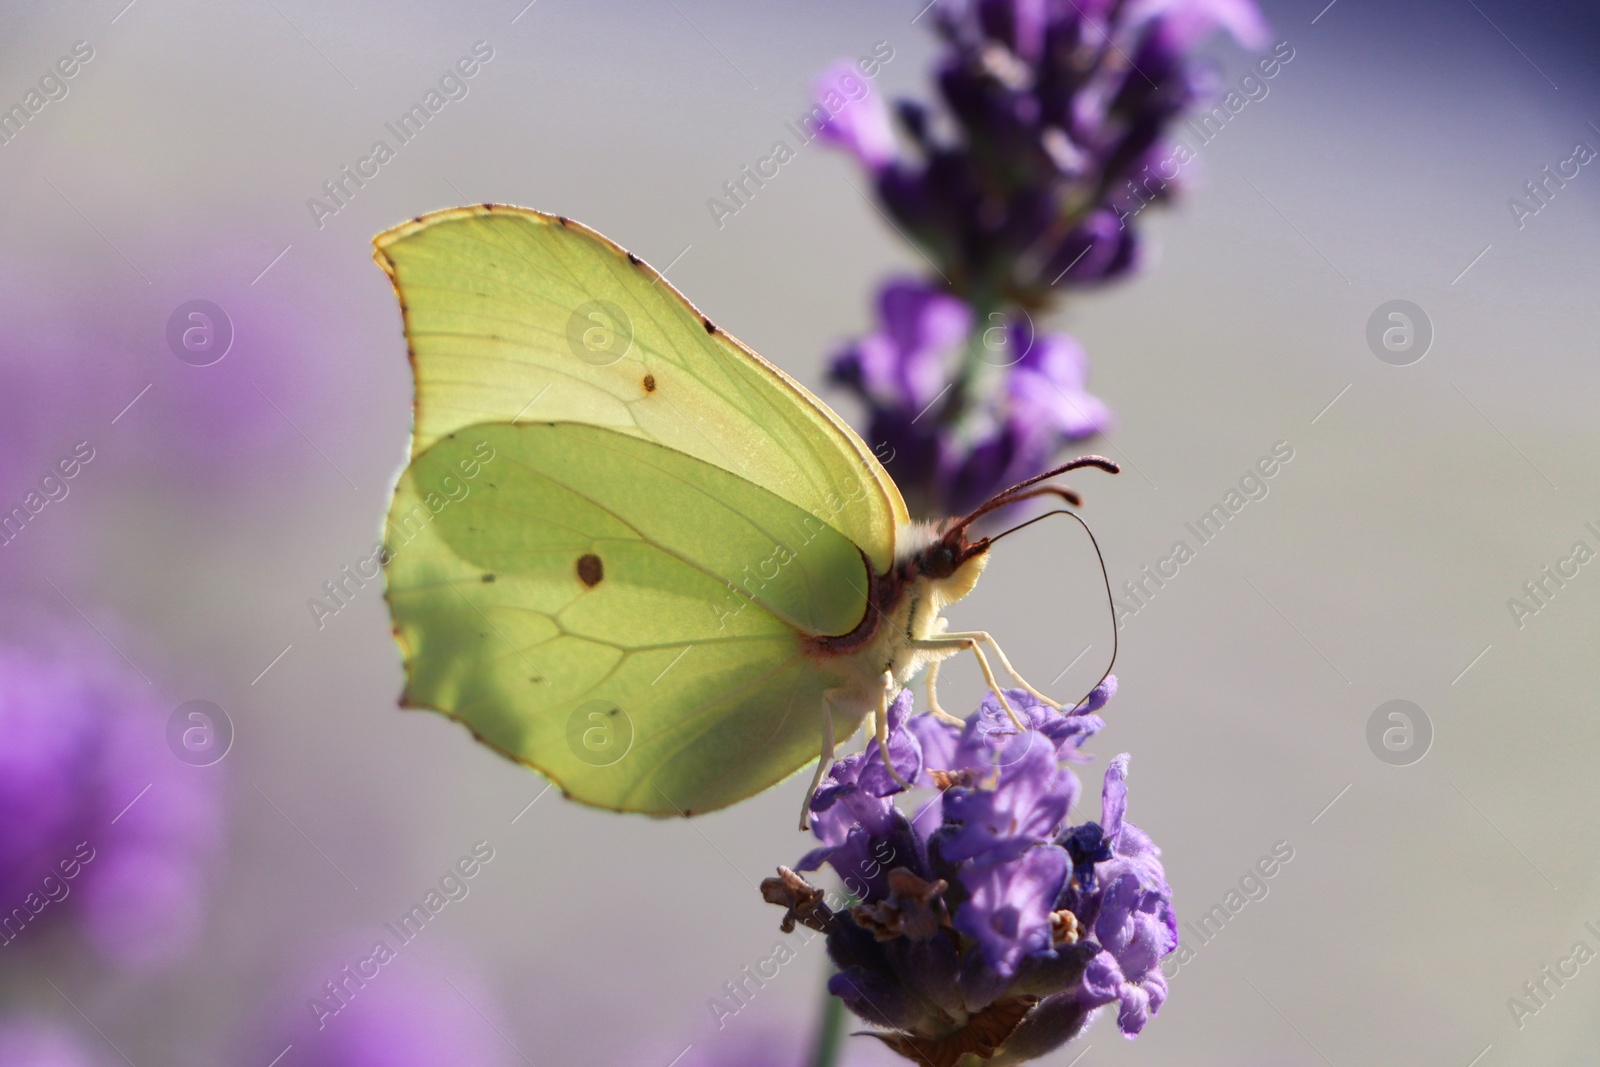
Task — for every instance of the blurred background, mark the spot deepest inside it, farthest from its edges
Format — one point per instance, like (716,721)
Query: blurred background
(244,850)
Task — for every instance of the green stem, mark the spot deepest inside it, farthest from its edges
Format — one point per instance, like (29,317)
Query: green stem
(830,1035)
(972,365)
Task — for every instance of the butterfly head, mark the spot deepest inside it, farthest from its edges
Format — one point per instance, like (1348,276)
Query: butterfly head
(952,561)
(941,557)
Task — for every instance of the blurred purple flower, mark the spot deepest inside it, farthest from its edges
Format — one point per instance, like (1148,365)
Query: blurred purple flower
(1185,23)
(1047,391)
(915,351)
(858,119)
(82,342)
(996,930)
(766,1047)
(100,824)
(30,1042)
(412,1012)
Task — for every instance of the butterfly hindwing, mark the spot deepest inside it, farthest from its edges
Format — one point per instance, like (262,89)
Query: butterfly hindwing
(628,619)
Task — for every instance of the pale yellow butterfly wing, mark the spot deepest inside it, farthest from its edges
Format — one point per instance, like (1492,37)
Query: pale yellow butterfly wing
(515,315)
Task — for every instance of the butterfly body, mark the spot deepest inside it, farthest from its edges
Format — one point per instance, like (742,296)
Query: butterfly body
(904,612)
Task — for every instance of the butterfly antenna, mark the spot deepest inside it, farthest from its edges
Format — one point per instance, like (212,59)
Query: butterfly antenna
(1065,492)
(1015,492)
(1104,577)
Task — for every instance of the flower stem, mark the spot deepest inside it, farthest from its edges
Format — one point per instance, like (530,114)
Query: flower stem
(972,365)
(830,1034)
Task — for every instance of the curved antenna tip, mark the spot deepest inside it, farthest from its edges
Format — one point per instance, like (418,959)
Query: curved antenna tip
(1110,466)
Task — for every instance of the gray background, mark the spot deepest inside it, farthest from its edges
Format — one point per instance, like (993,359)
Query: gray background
(1378,567)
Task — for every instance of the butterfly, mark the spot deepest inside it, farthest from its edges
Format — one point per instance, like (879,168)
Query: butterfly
(628,551)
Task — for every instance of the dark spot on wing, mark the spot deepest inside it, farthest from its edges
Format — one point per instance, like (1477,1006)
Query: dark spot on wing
(488,207)
(710,328)
(561,219)
(488,578)
(590,570)
(633,259)
(649,383)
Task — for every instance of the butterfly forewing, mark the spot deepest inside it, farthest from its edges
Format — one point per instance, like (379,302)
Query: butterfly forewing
(516,315)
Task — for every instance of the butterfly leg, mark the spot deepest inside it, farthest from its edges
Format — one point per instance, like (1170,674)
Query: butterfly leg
(882,723)
(967,643)
(933,698)
(940,626)
(988,639)
(824,760)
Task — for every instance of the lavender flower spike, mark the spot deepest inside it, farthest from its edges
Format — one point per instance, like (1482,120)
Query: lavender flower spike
(1054,137)
(986,927)
(1055,109)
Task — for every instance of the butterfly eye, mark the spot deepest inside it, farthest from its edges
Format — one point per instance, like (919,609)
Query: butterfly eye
(940,561)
